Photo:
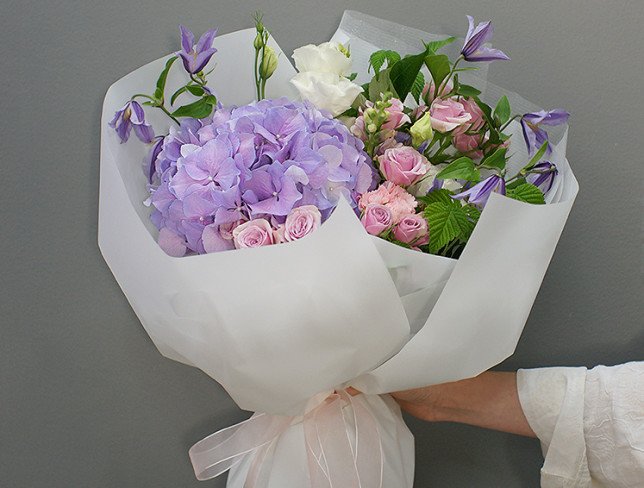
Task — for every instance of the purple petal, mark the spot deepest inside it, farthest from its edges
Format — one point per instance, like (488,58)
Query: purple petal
(144,132)
(487,54)
(171,243)
(187,39)
(212,240)
(206,40)
(557,116)
(202,60)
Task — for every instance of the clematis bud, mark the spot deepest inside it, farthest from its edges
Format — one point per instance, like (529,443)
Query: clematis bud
(422,130)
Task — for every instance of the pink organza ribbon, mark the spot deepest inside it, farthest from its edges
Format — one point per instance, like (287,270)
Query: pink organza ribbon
(341,438)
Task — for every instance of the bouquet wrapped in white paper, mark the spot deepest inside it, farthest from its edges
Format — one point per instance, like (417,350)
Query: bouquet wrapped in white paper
(286,328)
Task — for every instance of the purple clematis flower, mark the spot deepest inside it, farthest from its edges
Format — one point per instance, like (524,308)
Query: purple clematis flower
(480,193)
(196,57)
(543,176)
(149,164)
(132,116)
(474,48)
(533,134)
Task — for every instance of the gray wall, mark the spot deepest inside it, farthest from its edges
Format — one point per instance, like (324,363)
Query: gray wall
(86,400)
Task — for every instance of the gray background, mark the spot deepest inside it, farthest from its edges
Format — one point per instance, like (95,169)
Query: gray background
(86,400)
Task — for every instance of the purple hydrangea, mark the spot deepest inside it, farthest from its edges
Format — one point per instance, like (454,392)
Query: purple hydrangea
(256,161)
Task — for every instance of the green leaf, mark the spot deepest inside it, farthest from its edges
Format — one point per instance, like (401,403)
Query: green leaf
(441,195)
(417,87)
(486,109)
(461,169)
(434,46)
(447,221)
(380,83)
(403,74)
(352,76)
(163,77)
(502,110)
(515,183)
(526,192)
(473,214)
(378,59)
(197,110)
(496,159)
(196,90)
(537,156)
(468,91)
(174,96)
(438,65)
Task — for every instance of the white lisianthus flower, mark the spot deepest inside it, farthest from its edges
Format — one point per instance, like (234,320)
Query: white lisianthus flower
(421,188)
(322,77)
(325,58)
(326,91)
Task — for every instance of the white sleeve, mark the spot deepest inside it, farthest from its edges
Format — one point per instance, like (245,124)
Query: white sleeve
(590,424)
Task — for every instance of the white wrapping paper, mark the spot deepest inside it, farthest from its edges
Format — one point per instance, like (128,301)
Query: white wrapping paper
(277,325)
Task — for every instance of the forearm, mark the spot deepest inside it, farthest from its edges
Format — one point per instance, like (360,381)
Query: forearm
(489,400)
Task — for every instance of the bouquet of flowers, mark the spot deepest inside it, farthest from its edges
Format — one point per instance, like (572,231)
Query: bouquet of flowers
(415,205)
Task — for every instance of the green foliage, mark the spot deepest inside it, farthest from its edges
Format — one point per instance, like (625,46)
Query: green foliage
(496,159)
(417,87)
(537,156)
(195,90)
(502,111)
(198,110)
(439,66)
(467,91)
(462,169)
(380,83)
(404,73)
(163,77)
(379,58)
(434,46)
(448,221)
(441,195)
(526,192)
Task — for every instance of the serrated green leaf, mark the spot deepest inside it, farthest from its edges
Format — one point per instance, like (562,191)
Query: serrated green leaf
(197,110)
(496,159)
(417,87)
(514,184)
(446,222)
(434,46)
(404,72)
(378,59)
(434,196)
(468,91)
(460,169)
(163,77)
(438,65)
(526,192)
(502,110)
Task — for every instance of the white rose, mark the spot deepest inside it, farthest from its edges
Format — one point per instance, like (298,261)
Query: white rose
(327,91)
(325,58)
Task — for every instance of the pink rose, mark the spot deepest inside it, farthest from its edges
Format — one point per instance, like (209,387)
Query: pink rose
(395,115)
(254,233)
(226,230)
(377,219)
(477,119)
(403,165)
(447,114)
(395,197)
(412,229)
(301,222)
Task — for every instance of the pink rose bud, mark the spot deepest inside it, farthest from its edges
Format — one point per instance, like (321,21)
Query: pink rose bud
(377,219)
(403,165)
(254,233)
(412,229)
(226,230)
(448,114)
(301,222)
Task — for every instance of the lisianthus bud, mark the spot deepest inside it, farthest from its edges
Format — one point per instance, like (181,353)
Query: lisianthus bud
(422,130)
(258,42)
(269,63)
(344,49)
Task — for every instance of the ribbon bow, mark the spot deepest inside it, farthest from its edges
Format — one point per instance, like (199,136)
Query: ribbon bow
(341,438)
